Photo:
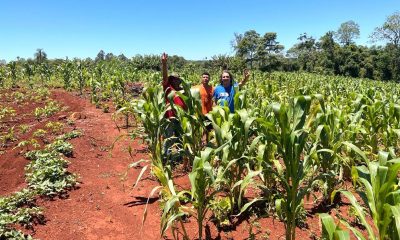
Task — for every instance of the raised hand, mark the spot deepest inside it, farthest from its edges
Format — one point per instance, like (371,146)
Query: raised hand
(246,74)
(164,58)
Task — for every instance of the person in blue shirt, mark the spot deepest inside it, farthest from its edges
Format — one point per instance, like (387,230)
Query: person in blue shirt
(225,91)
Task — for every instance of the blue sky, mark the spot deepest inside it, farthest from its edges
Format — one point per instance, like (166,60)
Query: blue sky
(192,29)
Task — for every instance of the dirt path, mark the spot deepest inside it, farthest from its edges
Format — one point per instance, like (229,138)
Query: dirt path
(104,207)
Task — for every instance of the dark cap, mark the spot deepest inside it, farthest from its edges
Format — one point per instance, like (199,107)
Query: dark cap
(174,75)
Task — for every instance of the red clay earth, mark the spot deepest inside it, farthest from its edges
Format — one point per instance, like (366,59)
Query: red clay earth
(104,206)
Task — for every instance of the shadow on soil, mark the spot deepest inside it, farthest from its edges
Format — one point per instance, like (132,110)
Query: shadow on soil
(141,201)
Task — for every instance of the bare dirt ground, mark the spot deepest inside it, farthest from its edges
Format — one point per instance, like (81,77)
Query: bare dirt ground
(104,206)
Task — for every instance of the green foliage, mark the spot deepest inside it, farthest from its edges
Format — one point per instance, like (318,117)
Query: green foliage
(42,94)
(331,231)
(55,127)
(61,146)
(261,49)
(47,173)
(17,209)
(299,173)
(13,73)
(347,32)
(70,135)
(380,194)
(389,31)
(289,133)
(6,112)
(8,136)
(24,128)
(26,143)
(50,109)
(39,133)
(67,71)
(19,97)
(201,179)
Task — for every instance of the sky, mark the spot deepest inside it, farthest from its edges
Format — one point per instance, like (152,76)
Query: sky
(195,30)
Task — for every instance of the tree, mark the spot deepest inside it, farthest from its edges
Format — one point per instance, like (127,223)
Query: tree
(100,56)
(109,56)
(347,32)
(267,50)
(328,54)
(122,57)
(40,55)
(251,47)
(246,45)
(389,31)
(305,52)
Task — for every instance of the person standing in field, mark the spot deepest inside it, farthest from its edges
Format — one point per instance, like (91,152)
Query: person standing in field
(171,85)
(206,93)
(224,93)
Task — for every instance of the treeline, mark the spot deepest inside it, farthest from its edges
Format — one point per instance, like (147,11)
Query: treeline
(334,53)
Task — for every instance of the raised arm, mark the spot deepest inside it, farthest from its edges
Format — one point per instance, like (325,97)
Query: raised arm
(164,58)
(246,75)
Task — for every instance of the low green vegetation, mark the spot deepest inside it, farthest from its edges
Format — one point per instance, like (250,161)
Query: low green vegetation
(46,175)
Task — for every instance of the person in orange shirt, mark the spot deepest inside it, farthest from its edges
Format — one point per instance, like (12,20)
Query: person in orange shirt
(206,93)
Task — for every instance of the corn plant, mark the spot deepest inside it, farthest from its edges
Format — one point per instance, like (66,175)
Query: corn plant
(202,180)
(379,193)
(391,128)
(66,70)
(299,173)
(234,130)
(13,73)
(29,71)
(45,73)
(94,89)
(151,110)
(266,150)
(2,77)
(191,122)
(330,230)
(173,210)
(373,112)
(81,76)
(329,137)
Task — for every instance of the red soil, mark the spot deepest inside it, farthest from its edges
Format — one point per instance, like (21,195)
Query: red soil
(104,206)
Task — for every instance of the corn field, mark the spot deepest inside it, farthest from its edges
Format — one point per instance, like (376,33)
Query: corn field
(292,136)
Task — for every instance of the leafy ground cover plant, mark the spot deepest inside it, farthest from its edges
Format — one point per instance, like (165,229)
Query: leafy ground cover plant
(17,209)
(46,174)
